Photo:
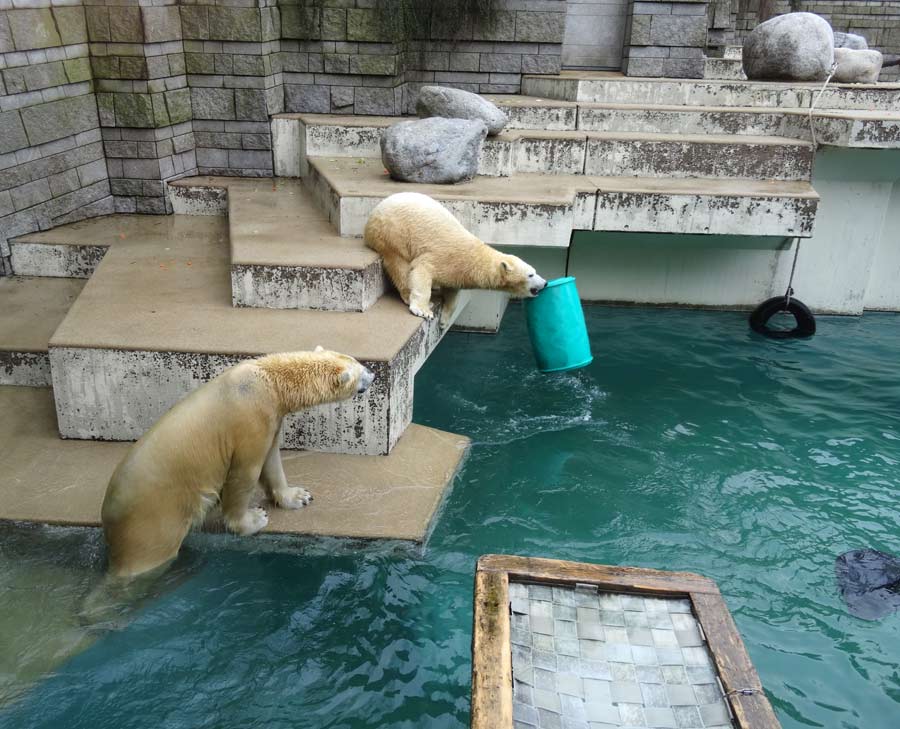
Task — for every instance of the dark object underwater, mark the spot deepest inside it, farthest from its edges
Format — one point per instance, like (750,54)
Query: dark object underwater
(869,582)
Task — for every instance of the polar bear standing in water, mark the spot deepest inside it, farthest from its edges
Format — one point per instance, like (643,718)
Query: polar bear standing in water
(213,448)
(424,246)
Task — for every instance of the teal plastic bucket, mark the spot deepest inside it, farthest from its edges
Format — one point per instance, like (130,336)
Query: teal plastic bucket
(556,327)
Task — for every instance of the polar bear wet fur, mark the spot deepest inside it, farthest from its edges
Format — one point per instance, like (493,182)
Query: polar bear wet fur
(213,448)
(424,246)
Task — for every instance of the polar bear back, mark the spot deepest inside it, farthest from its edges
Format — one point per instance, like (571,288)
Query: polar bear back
(411,225)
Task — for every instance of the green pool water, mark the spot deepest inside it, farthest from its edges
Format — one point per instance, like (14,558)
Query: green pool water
(688,444)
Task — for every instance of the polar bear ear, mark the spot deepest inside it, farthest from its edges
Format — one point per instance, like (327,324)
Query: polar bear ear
(505,266)
(319,348)
(346,376)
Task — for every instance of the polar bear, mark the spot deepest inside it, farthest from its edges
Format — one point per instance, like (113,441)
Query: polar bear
(213,448)
(424,246)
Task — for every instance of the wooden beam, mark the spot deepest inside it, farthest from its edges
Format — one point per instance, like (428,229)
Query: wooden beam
(625,579)
(492,697)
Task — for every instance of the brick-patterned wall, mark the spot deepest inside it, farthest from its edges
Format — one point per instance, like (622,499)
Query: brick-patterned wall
(665,39)
(103,101)
(52,167)
(878,21)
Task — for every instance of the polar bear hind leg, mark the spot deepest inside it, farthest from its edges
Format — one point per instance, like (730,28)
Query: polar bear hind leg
(398,271)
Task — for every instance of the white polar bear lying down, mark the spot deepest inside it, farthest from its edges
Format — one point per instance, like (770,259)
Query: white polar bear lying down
(214,447)
(424,246)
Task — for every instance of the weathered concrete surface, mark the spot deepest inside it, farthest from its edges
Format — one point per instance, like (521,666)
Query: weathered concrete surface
(30,311)
(605,88)
(723,68)
(718,207)
(531,112)
(174,328)
(540,210)
(536,210)
(882,291)
(54,260)
(633,154)
(369,497)
(673,119)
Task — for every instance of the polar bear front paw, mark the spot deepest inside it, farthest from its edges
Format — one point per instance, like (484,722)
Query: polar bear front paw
(253,521)
(293,498)
(425,313)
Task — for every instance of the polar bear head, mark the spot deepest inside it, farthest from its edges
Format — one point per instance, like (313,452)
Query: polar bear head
(346,376)
(519,279)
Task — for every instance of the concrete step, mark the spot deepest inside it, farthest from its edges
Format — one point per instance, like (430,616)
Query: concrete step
(531,210)
(606,152)
(73,254)
(296,137)
(365,497)
(634,154)
(605,87)
(532,112)
(541,210)
(156,320)
(730,69)
(853,128)
(284,252)
(30,311)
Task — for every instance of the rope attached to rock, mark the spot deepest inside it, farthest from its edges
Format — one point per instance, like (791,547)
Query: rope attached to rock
(812,126)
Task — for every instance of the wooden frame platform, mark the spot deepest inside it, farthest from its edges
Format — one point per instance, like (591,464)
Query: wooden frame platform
(492,676)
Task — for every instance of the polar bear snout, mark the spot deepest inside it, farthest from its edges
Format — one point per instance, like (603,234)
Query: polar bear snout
(536,284)
(365,379)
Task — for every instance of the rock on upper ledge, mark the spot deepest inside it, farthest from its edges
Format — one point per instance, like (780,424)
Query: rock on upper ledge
(435,150)
(459,104)
(857,67)
(792,47)
(850,40)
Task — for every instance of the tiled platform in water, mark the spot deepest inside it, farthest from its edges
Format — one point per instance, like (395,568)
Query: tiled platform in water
(587,659)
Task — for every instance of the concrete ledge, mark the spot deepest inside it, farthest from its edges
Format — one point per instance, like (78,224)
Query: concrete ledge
(367,497)
(30,311)
(545,210)
(538,210)
(602,87)
(720,207)
(174,328)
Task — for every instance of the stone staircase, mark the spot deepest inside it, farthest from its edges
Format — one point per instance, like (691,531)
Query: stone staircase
(251,266)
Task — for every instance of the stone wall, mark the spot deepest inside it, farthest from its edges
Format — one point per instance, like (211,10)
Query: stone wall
(52,167)
(878,21)
(665,38)
(103,101)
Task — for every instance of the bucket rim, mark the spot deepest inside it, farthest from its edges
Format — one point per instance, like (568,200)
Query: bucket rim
(583,363)
(559,281)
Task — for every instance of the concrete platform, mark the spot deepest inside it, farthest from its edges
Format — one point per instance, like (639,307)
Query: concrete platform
(168,284)
(650,152)
(48,480)
(542,210)
(604,87)
(70,251)
(286,255)
(30,311)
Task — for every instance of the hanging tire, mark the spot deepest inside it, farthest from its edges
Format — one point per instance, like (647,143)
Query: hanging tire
(805,321)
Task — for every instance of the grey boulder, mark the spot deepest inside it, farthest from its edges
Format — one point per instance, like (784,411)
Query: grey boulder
(850,40)
(792,47)
(857,67)
(459,104)
(433,150)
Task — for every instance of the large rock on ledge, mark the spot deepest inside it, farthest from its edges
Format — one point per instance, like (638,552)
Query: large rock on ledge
(459,104)
(792,47)
(433,150)
(857,67)
(850,40)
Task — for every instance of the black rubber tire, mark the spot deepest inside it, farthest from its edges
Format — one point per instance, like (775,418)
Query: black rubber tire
(806,322)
